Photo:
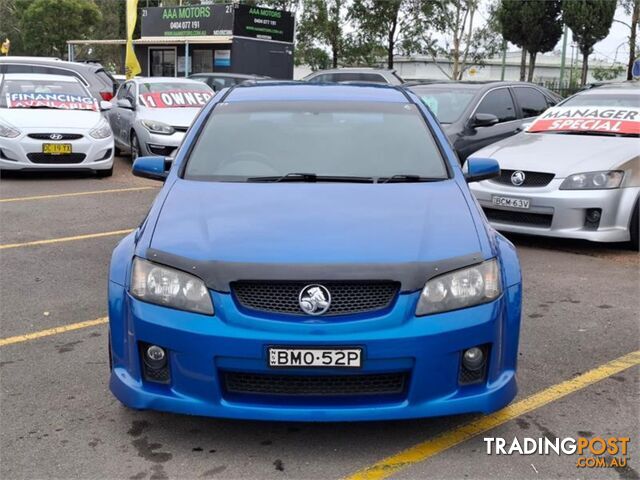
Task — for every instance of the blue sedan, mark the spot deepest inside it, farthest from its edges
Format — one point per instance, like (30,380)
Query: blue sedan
(315,254)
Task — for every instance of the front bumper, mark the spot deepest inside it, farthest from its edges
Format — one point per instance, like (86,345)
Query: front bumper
(564,211)
(159,145)
(88,153)
(202,348)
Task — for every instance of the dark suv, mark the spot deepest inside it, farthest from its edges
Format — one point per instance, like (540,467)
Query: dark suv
(477,114)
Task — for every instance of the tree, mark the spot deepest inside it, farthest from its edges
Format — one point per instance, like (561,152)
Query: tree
(632,7)
(532,25)
(461,41)
(48,24)
(388,24)
(10,14)
(590,22)
(321,25)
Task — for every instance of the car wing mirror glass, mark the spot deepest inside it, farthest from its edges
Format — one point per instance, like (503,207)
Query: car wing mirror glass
(484,120)
(155,168)
(478,169)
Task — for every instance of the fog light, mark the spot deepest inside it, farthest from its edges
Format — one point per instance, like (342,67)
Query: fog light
(155,357)
(592,218)
(473,359)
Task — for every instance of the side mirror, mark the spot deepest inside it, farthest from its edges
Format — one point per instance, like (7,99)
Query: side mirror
(484,120)
(104,105)
(481,169)
(155,168)
(124,103)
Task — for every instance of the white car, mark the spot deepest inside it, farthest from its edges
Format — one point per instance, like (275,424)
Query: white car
(575,172)
(51,122)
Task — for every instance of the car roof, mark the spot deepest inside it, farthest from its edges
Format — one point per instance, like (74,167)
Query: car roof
(355,69)
(50,61)
(301,91)
(613,87)
(164,80)
(40,76)
(227,74)
(471,85)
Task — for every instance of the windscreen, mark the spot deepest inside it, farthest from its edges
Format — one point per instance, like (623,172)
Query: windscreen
(351,139)
(45,94)
(174,94)
(446,105)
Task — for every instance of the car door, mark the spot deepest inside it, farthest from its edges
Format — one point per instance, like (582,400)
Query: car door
(125,116)
(498,102)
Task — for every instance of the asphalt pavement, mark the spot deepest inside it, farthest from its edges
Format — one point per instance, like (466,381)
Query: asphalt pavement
(59,420)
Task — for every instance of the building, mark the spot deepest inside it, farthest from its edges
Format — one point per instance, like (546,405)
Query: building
(234,38)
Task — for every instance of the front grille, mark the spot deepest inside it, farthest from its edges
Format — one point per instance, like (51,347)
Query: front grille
(531,179)
(519,218)
(347,298)
(315,385)
(47,136)
(46,158)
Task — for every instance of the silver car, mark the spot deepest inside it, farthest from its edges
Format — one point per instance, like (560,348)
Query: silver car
(574,173)
(151,115)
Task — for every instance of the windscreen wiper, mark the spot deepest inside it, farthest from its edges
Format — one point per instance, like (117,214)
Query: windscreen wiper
(402,178)
(311,178)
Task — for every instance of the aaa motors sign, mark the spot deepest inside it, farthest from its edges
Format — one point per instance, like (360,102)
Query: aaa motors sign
(589,119)
(175,99)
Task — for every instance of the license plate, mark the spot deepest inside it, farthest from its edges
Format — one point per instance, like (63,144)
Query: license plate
(56,148)
(511,202)
(315,357)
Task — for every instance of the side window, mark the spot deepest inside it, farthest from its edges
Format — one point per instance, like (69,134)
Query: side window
(499,103)
(531,101)
(18,68)
(324,78)
(122,91)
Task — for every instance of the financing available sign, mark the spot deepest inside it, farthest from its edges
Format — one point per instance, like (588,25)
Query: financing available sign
(62,101)
(175,99)
(620,120)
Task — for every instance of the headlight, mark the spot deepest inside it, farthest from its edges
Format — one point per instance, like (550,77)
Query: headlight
(165,286)
(158,127)
(8,132)
(102,130)
(462,288)
(593,180)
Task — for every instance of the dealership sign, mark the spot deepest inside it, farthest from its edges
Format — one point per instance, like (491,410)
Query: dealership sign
(200,20)
(588,119)
(263,23)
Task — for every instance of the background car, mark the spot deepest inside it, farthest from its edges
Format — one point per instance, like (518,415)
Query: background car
(355,75)
(151,115)
(92,75)
(51,122)
(476,114)
(568,176)
(218,81)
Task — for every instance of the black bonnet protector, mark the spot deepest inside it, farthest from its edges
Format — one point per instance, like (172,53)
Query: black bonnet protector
(218,275)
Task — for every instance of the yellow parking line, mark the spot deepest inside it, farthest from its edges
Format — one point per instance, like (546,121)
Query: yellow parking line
(65,239)
(74,194)
(52,331)
(423,451)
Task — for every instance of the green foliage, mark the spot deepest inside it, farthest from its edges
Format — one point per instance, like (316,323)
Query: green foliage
(590,22)
(46,25)
(321,28)
(461,41)
(603,74)
(535,26)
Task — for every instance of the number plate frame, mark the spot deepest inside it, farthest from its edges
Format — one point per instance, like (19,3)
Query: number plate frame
(63,148)
(318,352)
(511,202)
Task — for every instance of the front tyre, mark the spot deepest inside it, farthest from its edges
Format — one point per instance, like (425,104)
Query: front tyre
(135,147)
(104,173)
(634,227)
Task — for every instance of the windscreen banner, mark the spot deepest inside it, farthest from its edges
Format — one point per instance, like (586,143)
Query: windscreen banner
(615,120)
(62,101)
(175,99)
